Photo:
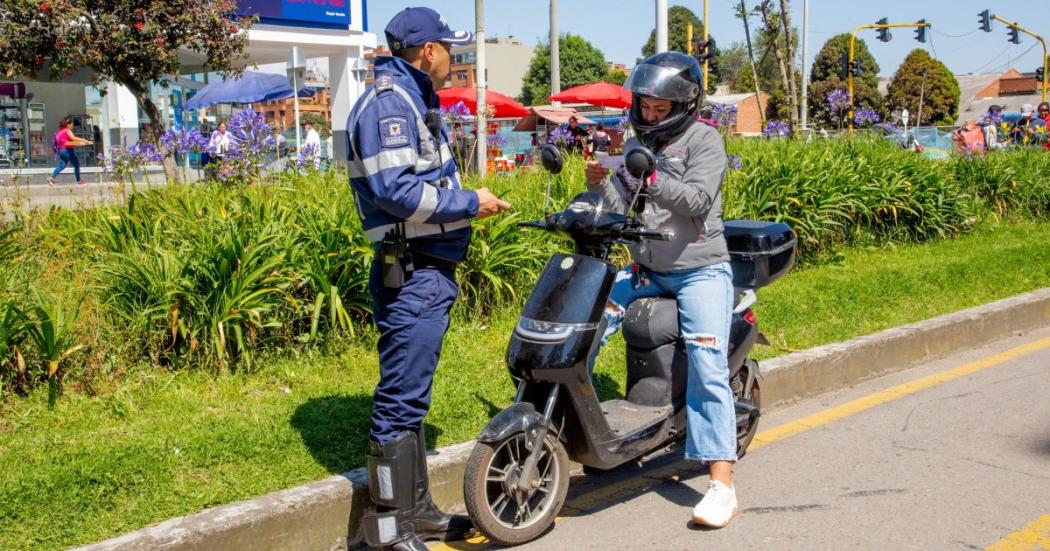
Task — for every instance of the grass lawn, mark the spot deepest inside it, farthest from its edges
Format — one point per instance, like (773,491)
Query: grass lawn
(160,444)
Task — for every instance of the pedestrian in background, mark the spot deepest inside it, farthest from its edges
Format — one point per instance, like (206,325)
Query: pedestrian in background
(63,144)
(312,143)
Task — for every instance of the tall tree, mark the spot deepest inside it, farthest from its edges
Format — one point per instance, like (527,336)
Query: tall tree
(678,20)
(743,14)
(616,76)
(825,77)
(771,19)
(134,43)
(731,61)
(789,50)
(828,62)
(919,75)
(579,62)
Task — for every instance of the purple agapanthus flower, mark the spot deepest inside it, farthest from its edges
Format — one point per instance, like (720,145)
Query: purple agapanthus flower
(838,100)
(865,115)
(497,140)
(776,129)
(735,163)
(145,152)
(250,136)
(306,158)
(185,141)
(561,136)
(457,112)
(724,114)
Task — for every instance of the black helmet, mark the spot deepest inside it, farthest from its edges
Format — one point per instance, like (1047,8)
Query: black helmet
(668,75)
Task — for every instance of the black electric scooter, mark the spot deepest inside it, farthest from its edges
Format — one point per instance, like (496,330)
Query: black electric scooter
(518,473)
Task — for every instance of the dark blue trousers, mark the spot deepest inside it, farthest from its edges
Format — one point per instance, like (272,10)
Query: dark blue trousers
(412,322)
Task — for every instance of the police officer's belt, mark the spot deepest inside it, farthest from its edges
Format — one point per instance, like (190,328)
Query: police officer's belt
(425,261)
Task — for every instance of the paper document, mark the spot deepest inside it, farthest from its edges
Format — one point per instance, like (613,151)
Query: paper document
(612,162)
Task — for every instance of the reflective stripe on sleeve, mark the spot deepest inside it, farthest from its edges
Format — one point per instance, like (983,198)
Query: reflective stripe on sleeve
(428,203)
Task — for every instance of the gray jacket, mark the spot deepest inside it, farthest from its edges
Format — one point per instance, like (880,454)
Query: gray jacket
(686,198)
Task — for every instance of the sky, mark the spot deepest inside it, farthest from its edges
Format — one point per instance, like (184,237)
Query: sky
(620,27)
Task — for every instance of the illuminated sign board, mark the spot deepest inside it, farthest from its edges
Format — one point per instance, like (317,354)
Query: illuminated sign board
(335,13)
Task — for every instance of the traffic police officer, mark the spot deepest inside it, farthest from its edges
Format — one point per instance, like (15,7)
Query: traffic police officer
(413,209)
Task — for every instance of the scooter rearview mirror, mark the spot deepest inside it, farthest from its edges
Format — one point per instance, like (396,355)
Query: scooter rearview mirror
(551,158)
(640,162)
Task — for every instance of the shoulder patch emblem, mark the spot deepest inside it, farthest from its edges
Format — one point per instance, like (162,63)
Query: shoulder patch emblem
(393,131)
(384,83)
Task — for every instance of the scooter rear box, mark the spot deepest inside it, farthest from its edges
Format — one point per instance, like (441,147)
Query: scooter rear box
(760,252)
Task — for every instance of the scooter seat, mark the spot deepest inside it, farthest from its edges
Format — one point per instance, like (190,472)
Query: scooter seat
(651,322)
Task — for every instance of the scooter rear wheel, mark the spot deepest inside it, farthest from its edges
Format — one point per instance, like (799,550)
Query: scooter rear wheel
(502,512)
(747,390)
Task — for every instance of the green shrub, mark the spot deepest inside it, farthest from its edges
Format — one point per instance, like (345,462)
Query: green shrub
(210,275)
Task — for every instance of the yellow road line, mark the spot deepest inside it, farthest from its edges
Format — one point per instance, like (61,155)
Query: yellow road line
(827,416)
(1035,535)
(862,404)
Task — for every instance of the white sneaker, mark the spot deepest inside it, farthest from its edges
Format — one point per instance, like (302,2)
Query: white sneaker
(718,506)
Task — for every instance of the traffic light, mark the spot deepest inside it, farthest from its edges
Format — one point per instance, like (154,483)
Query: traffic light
(1039,74)
(1015,37)
(705,49)
(854,67)
(884,34)
(844,67)
(985,21)
(920,33)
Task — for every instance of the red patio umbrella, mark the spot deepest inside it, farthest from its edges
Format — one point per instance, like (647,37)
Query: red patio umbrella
(602,94)
(503,105)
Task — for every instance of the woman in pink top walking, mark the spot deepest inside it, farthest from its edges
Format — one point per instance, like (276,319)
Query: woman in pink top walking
(63,144)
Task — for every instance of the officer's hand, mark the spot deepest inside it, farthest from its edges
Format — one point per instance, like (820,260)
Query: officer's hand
(595,172)
(489,204)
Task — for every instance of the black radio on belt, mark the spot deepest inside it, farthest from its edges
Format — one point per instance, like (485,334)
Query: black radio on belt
(395,257)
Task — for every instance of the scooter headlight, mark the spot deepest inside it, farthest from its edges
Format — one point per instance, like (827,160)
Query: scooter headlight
(548,331)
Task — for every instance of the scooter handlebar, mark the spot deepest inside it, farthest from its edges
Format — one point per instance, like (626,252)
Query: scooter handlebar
(649,234)
(538,224)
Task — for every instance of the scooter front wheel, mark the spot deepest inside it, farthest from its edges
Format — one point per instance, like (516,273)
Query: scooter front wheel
(499,507)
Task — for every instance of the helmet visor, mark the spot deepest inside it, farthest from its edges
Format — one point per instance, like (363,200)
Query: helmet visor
(661,82)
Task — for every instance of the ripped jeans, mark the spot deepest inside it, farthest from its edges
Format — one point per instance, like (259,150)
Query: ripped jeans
(705,310)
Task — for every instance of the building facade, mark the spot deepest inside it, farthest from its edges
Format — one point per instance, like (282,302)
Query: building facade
(508,61)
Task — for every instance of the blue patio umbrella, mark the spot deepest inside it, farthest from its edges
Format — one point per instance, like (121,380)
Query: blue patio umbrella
(248,88)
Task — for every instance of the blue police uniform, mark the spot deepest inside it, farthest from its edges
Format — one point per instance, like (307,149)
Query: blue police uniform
(408,194)
(403,173)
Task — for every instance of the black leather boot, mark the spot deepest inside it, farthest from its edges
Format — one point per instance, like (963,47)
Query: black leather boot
(388,524)
(432,524)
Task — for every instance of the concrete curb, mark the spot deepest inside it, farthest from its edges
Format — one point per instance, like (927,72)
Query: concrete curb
(325,514)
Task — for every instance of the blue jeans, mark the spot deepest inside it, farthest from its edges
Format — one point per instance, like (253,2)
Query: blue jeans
(67,156)
(705,311)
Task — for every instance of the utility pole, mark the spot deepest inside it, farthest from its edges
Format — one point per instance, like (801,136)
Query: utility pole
(790,53)
(751,56)
(555,61)
(479,81)
(922,96)
(805,59)
(661,26)
(705,42)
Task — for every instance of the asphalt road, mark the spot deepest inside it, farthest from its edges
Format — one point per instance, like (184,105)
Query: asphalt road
(950,455)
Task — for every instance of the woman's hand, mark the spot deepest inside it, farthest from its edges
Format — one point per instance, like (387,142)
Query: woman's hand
(595,172)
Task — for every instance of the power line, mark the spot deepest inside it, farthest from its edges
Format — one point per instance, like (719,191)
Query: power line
(1011,60)
(993,60)
(955,35)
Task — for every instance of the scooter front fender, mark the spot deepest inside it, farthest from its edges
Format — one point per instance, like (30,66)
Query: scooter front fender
(520,417)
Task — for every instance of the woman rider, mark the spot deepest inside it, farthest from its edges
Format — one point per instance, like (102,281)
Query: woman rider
(684,196)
